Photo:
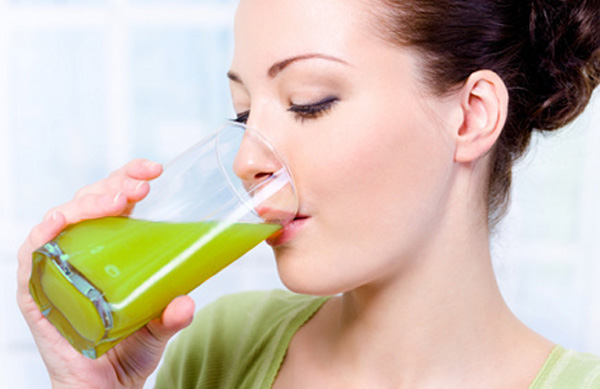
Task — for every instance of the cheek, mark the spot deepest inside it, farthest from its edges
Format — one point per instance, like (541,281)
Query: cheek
(377,194)
(382,166)
(373,193)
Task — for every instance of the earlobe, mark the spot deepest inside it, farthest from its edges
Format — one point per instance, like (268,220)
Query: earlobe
(484,102)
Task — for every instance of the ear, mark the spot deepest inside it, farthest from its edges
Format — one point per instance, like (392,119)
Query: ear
(484,103)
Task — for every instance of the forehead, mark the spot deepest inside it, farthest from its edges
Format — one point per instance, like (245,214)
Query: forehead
(269,30)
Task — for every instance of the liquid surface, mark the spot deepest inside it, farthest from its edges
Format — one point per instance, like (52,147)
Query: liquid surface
(101,280)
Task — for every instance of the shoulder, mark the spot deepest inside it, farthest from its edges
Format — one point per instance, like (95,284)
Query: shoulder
(566,368)
(241,314)
(256,304)
(229,339)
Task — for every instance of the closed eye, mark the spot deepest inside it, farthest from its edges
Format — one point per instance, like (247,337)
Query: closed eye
(314,110)
(302,111)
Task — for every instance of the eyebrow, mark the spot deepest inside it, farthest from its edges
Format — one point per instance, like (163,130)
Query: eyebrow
(278,67)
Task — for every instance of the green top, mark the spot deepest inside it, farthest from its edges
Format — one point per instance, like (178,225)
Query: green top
(237,342)
(568,369)
(240,342)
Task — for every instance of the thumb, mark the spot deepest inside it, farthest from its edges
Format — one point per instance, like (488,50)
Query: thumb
(176,316)
(139,355)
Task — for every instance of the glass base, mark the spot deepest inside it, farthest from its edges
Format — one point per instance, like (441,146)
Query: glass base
(72,304)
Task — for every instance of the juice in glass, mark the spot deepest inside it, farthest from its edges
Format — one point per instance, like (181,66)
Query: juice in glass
(101,280)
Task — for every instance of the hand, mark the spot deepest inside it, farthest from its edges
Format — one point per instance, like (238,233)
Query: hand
(130,362)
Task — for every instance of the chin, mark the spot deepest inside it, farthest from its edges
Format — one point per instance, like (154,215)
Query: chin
(310,290)
(313,269)
(315,282)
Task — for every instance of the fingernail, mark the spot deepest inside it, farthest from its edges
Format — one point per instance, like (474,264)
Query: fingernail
(131,185)
(139,185)
(50,216)
(116,198)
(150,164)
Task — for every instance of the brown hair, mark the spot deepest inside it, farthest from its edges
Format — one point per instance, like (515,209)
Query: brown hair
(546,51)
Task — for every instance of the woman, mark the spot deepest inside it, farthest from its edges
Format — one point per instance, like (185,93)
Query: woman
(400,121)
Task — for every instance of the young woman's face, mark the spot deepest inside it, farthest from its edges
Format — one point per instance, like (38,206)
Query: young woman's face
(371,158)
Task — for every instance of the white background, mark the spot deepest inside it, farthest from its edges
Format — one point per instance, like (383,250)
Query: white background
(87,85)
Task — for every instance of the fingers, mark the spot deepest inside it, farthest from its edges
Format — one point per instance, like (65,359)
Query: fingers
(115,195)
(155,335)
(134,185)
(40,234)
(47,229)
(176,316)
(112,196)
(139,355)
(91,206)
(134,190)
(136,171)
(133,173)
(142,169)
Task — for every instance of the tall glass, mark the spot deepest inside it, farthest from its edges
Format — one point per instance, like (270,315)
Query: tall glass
(101,280)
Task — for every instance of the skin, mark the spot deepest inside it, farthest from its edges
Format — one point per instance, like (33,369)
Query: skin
(392,213)
(390,182)
(129,363)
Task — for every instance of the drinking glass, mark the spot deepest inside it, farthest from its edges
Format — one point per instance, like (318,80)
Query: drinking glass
(101,280)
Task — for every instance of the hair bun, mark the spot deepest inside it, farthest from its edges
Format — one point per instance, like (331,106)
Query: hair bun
(563,59)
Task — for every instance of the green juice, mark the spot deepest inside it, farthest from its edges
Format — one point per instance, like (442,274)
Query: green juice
(101,280)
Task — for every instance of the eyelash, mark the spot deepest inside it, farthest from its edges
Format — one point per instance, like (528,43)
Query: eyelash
(313,111)
(242,117)
(302,112)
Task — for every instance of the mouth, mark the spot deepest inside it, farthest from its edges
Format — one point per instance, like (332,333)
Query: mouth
(288,231)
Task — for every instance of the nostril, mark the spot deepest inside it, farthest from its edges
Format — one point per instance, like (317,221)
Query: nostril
(261,175)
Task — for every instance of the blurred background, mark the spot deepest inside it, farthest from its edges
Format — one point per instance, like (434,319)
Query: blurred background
(86,85)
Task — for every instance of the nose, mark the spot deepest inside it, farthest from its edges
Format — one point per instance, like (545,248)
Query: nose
(255,160)
(265,178)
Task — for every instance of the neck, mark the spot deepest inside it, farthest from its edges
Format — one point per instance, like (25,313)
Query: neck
(432,309)
(442,315)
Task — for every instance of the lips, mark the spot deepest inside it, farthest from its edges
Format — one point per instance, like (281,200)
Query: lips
(288,232)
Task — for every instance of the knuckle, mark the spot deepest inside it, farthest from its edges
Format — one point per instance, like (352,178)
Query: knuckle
(115,182)
(82,192)
(24,251)
(36,237)
(51,212)
(115,173)
(88,200)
